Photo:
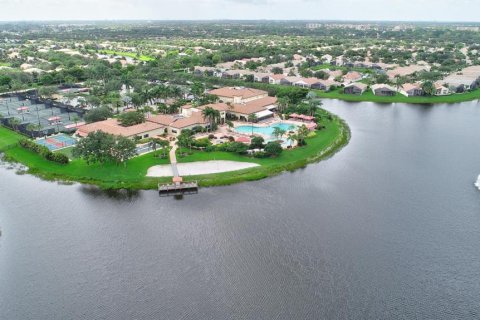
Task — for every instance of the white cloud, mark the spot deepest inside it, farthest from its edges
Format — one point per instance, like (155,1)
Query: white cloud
(430,10)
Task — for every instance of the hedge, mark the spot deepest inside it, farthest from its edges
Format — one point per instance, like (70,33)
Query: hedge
(44,152)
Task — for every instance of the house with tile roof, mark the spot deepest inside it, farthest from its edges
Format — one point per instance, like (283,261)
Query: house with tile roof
(411,90)
(355,88)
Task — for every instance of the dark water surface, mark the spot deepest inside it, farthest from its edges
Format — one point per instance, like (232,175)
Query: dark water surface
(389,228)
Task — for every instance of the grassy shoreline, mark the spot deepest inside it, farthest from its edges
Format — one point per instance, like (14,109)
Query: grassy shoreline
(110,176)
(399,98)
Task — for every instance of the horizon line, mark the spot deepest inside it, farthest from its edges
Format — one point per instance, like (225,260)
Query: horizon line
(244,20)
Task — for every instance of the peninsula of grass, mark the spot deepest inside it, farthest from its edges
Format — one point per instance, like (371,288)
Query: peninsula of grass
(133,176)
(399,98)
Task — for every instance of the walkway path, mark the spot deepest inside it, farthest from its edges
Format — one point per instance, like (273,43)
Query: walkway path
(173,159)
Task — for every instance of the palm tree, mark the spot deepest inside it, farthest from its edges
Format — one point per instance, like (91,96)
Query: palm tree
(302,134)
(399,81)
(211,114)
(176,92)
(313,106)
(33,127)
(252,118)
(76,118)
(292,137)
(278,132)
(282,104)
(14,123)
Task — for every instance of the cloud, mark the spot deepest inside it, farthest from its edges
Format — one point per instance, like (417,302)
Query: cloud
(425,10)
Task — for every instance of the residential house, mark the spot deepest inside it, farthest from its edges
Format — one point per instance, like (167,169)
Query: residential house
(324,85)
(467,79)
(275,78)
(412,90)
(383,90)
(261,77)
(406,71)
(209,71)
(352,76)
(289,81)
(308,83)
(357,88)
(441,90)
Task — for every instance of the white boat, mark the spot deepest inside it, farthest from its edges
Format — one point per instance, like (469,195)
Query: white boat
(477,184)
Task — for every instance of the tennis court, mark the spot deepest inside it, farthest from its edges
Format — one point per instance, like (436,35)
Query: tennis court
(57,142)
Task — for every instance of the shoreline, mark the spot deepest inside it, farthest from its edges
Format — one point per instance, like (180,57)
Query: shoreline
(133,177)
(369,97)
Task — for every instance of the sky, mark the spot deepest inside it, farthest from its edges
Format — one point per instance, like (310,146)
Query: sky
(391,10)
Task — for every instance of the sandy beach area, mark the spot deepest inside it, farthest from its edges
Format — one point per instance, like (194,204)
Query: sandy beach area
(199,168)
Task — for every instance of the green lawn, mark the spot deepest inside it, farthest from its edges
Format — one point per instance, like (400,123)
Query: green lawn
(128,54)
(8,138)
(105,175)
(67,152)
(369,96)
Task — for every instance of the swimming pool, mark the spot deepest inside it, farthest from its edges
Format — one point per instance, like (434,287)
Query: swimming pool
(266,131)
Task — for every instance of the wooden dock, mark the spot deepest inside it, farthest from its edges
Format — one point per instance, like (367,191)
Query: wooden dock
(178,188)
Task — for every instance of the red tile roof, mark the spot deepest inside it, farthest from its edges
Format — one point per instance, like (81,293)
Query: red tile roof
(112,126)
(231,92)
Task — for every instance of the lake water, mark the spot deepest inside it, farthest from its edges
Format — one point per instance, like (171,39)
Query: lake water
(389,228)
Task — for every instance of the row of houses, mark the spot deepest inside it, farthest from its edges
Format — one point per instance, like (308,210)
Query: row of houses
(381,89)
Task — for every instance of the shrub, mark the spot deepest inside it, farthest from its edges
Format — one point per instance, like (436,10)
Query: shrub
(273,148)
(312,134)
(236,147)
(201,143)
(257,143)
(44,152)
(261,154)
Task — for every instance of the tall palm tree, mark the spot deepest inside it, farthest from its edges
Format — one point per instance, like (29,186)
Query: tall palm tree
(14,123)
(252,118)
(292,137)
(302,134)
(282,104)
(32,127)
(278,132)
(211,114)
(176,92)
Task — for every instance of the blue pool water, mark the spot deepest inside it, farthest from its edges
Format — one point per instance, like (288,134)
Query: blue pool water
(267,131)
